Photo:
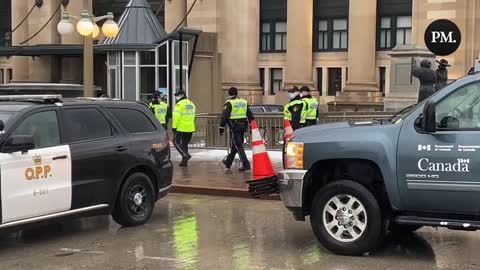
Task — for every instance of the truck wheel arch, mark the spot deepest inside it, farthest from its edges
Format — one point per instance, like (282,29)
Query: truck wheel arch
(362,171)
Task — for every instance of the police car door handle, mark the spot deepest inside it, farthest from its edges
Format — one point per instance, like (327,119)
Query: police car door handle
(60,157)
(120,148)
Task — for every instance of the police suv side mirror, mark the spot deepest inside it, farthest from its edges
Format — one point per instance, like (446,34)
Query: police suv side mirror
(18,143)
(429,123)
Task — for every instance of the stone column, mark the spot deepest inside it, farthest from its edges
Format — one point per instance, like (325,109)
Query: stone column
(19,63)
(175,11)
(299,43)
(240,48)
(72,66)
(361,46)
(44,68)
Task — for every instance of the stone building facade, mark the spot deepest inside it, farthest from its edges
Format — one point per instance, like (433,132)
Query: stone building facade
(266,46)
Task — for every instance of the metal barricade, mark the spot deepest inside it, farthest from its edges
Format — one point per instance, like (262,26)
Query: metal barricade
(270,126)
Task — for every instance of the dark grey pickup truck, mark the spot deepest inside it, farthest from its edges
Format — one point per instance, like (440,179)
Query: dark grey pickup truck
(357,181)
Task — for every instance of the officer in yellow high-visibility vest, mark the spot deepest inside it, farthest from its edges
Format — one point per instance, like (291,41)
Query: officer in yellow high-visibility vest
(236,113)
(294,110)
(160,108)
(311,106)
(183,125)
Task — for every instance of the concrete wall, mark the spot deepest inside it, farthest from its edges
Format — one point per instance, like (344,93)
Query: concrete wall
(205,87)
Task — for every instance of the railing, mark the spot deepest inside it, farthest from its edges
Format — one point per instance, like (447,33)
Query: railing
(270,125)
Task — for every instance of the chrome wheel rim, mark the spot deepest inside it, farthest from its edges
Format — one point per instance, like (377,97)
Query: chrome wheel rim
(138,201)
(345,218)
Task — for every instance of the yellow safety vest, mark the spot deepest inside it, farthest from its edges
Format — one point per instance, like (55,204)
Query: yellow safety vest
(184,116)
(160,111)
(239,108)
(311,110)
(286,112)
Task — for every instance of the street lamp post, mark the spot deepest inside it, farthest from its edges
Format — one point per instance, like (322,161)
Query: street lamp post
(88,28)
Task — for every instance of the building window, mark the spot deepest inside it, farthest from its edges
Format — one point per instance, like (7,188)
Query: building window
(320,81)
(334,81)
(9,75)
(322,34)
(385,32)
(280,36)
(340,34)
(1,76)
(382,76)
(276,80)
(273,26)
(404,30)
(265,39)
(393,31)
(273,37)
(332,34)
(262,79)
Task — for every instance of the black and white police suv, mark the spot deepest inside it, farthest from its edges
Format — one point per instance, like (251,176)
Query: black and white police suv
(80,157)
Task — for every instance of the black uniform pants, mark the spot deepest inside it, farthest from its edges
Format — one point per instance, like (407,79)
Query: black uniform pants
(181,143)
(236,146)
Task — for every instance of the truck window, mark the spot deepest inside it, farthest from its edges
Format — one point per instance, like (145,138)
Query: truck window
(85,124)
(43,126)
(461,109)
(133,121)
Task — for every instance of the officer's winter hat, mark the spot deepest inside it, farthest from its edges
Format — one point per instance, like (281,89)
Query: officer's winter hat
(305,89)
(293,89)
(233,91)
(180,93)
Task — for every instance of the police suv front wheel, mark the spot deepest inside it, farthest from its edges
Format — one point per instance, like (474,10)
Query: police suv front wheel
(135,202)
(347,219)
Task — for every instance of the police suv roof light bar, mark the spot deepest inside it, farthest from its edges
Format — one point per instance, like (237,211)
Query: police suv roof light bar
(44,98)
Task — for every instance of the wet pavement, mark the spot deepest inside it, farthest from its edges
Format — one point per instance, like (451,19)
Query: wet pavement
(202,232)
(205,169)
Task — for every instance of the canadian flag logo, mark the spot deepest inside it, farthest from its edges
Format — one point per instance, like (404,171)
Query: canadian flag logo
(424,147)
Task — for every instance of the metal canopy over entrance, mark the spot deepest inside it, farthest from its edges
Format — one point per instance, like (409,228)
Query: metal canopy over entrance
(143,58)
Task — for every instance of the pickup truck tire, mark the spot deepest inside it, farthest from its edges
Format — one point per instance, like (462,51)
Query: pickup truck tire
(135,202)
(403,229)
(346,218)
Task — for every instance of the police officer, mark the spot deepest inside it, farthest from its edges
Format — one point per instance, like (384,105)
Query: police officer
(161,109)
(294,110)
(311,106)
(235,113)
(183,125)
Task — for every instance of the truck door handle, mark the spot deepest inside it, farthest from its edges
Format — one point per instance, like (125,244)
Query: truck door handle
(60,157)
(120,148)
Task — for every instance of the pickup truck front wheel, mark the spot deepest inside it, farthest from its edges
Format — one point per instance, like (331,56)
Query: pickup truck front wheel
(347,219)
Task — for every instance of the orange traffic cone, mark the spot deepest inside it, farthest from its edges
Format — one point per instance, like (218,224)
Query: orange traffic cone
(265,179)
(262,165)
(288,130)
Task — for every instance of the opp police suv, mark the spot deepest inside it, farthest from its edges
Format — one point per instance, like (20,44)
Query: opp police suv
(80,157)
(419,168)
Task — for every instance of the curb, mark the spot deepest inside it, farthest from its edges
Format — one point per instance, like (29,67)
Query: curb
(213,191)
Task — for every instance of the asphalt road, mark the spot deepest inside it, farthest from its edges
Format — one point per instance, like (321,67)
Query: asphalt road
(201,232)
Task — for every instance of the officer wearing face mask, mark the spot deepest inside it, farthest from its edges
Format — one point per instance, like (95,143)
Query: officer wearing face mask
(160,108)
(294,111)
(236,113)
(183,125)
(311,106)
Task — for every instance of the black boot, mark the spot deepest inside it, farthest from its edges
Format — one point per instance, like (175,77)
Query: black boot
(183,163)
(244,168)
